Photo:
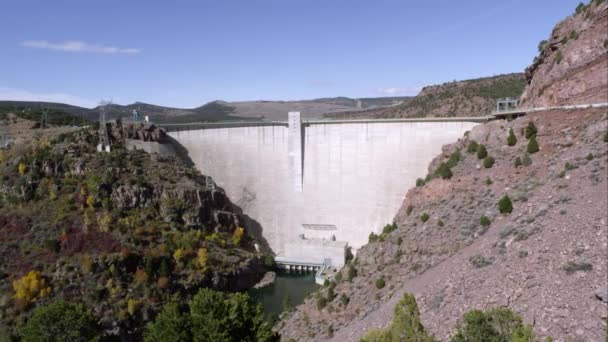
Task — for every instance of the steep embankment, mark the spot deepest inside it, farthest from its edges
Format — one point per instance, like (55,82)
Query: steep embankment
(476,97)
(572,67)
(545,260)
(453,248)
(121,232)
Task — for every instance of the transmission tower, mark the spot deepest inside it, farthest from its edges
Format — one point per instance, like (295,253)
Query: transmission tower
(104,140)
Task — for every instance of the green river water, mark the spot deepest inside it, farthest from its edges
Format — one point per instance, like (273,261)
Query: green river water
(288,290)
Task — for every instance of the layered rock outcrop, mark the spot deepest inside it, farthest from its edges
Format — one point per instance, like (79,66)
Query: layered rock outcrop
(572,67)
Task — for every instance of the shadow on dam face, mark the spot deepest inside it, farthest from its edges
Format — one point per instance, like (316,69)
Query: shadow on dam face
(354,176)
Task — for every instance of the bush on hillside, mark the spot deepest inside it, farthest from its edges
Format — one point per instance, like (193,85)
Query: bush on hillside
(484,221)
(488,162)
(406,325)
(511,139)
(481,152)
(444,171)
(533,145)
(498,324)
(61,321)
(472,148)
(420,182)
(504,205)
(380,283)
(517,162)
(530,130)
(424,217)
(526,160)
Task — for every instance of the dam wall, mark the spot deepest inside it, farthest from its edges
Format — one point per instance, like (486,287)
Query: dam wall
(339,182)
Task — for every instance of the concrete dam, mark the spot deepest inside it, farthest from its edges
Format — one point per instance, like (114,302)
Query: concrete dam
(316,186)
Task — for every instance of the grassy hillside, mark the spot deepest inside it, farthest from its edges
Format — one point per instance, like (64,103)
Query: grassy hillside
(476,97)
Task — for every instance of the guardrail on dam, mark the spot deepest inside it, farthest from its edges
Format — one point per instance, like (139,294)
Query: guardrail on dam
(328,181)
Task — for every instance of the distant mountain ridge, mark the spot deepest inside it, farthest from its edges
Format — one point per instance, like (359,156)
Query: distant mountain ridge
(474,97)
(215,110)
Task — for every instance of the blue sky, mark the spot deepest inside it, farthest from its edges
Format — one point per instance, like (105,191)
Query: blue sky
(186,53)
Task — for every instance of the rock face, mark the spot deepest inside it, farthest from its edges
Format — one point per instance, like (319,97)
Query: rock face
(475,97)
(572,67)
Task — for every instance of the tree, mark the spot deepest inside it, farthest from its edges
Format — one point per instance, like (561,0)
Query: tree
(61,321)
(216,316)
(406,325)
(171,325)
(504,205)
(498,324)
(533,145)
(488,162)
(444,171)
(530,130)
(21,168)
(481,152)
(511,139)
(212,316)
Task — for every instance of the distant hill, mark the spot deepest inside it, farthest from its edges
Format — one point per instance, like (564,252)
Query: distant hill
(474,97)
(212,111)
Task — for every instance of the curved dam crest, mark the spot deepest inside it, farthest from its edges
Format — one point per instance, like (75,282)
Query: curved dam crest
(327,181)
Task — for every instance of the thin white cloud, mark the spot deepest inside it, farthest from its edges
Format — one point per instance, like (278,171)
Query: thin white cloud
(392,91)
(78,46)
(10,94)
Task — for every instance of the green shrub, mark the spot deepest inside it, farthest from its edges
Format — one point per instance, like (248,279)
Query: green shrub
(321,303)
(440,223)
(511,139)
(533,145)
(61,321)
(481,152)
(344,299)
(573,267)
(558,57)
(406,325)
(541,45)
(526,160)
(488,181)
(444,171)
(517,162)
(170,325)
(409,209)
(454,159)
(480,261)
(424,217)
(472,148)
(484,221)
(498,324)
(488,162)
(351,272)
(580,8)
(504,205)
(573,35)
(380,283)
(373,237)
(530,130)
(589,156)
(420,182)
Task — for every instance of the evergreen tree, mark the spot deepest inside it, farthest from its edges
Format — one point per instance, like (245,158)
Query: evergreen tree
(533,145)
(511,140)
(481,152)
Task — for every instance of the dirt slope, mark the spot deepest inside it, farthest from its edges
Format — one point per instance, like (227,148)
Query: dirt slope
(559,217)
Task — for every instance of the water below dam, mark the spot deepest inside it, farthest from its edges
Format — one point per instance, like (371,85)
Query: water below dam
(288,290)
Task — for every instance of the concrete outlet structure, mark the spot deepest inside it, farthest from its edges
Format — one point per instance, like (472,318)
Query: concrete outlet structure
(314,187)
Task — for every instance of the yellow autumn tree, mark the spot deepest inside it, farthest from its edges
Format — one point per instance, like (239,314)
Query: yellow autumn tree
(178,255)
(30,287)
(132,306)
(22,168)
(91,201)
(237,236)
(104,222)
(201,258)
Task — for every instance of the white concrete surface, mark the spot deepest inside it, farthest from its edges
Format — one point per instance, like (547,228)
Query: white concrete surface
(355,175)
